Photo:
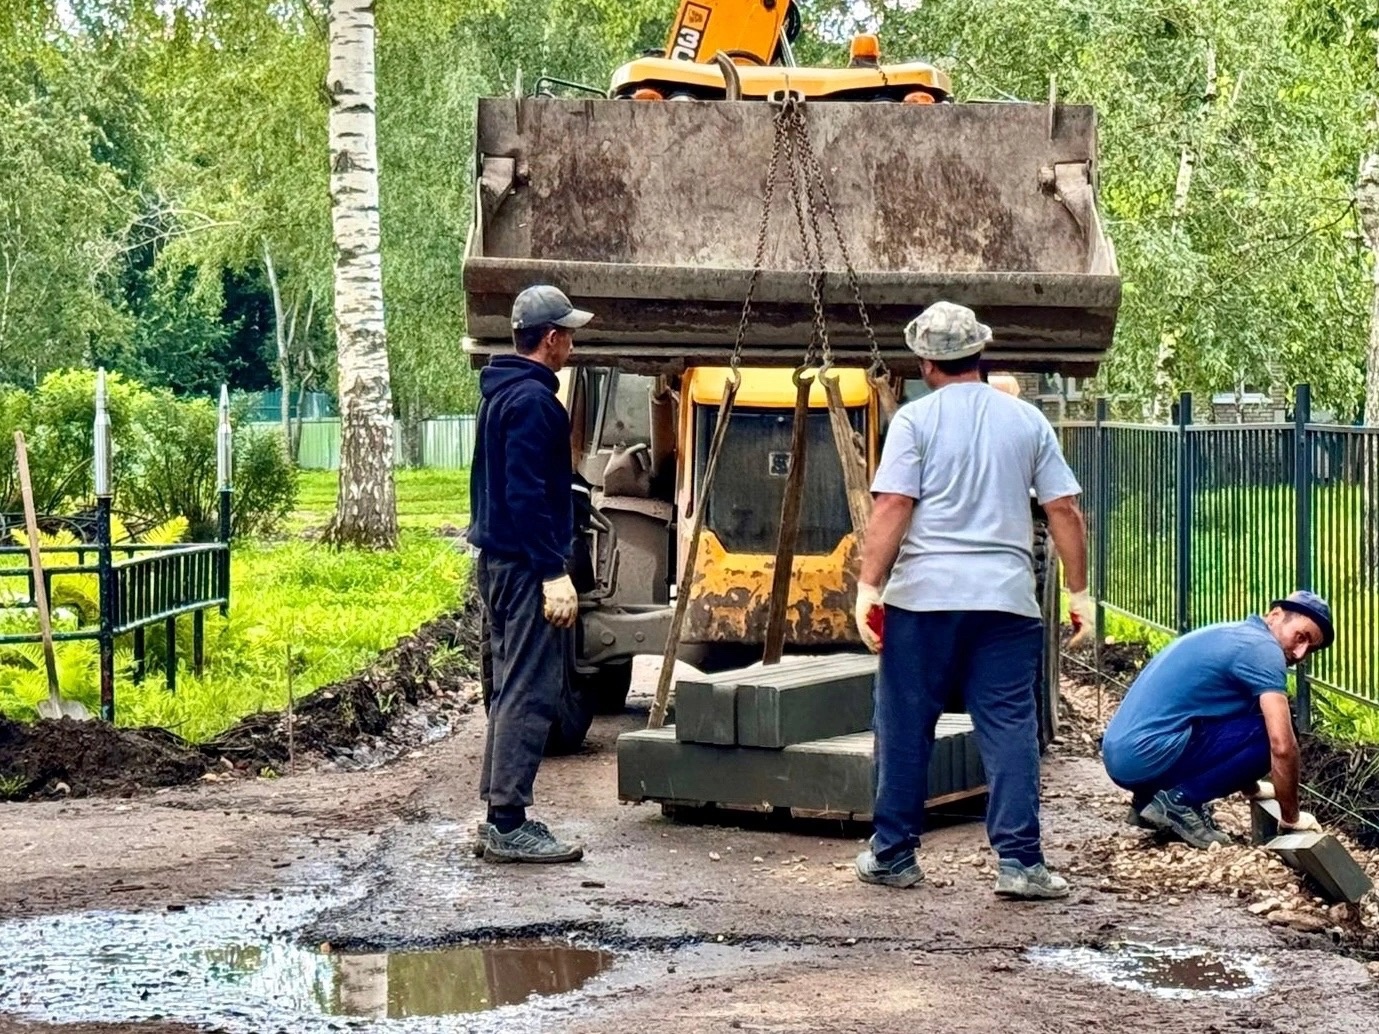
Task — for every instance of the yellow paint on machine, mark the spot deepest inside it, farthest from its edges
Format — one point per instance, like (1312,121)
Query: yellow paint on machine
(768,388)
(731,593)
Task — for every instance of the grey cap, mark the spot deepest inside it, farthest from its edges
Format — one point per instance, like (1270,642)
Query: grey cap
(946,331)
(545,306)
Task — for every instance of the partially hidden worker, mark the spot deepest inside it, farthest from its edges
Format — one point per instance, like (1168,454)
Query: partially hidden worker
(951,539)
(1209,716)
(523,527)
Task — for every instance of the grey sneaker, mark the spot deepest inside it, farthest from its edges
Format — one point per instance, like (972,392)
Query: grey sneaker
(480,839)
(530,842)
(1195,827)
(901,872)
(1035,882)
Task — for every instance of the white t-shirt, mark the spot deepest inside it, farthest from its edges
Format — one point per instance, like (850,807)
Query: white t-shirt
(970,455)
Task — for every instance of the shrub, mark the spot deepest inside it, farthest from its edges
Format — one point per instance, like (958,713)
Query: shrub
(265,481)
(163,463)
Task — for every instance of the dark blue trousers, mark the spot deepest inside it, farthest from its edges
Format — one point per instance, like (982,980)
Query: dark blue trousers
(991,659)
(1223,756)
(530,666)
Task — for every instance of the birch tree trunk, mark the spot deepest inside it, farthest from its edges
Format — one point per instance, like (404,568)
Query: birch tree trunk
(366,507)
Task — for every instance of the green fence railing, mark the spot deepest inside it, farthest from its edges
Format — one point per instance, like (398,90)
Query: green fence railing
(1193,524)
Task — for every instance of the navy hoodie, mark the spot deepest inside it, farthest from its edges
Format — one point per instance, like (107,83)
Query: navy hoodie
(519,485)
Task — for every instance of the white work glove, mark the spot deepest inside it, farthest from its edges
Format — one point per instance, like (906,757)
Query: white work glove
(561,601)
(1082,615)
(870,616)
(1264,791)
(1306,823)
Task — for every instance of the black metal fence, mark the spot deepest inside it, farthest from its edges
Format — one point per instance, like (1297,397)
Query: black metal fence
(1192,524)
(127,587)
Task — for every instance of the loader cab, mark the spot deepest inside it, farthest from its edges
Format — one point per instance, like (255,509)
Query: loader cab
(729,606)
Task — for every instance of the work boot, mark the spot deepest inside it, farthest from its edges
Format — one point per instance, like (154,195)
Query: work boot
(480,838)
(1168,812)
(1137,804)
(1208,813)
(530,842)
(901,871)
(1032,882)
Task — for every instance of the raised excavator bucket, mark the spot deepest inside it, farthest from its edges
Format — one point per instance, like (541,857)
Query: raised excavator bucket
(647,214)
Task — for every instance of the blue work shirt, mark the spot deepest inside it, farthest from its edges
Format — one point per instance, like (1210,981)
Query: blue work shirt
(1219,671)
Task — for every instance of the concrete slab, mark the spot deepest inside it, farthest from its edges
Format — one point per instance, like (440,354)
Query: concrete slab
(1321,856)
(1264,819)
(777,706)
(833,776)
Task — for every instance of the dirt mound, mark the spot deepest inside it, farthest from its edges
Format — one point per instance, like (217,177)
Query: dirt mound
(364,719)
(80,759)
(368,706)
(1344,778)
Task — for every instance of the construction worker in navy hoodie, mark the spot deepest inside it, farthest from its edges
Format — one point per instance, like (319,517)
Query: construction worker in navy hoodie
(522,524)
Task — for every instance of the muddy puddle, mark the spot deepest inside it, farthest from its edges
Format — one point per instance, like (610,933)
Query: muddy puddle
(238,966)
(1164,971)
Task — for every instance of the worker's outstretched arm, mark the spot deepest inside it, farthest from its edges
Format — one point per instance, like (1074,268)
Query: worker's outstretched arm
(1069,532)
(1283,747)
(890,517)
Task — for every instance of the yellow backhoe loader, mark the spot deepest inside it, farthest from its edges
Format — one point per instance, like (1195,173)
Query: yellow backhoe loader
(645,204)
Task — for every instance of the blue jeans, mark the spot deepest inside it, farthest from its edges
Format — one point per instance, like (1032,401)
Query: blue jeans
(990,658)
(1222,757)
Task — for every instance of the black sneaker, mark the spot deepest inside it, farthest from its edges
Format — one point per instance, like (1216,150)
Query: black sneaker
(1165,814)
(902,872)
(530,842)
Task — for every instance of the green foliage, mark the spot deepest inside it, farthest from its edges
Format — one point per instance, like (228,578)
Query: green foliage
(163,454)
(330,611)
(1254,277)
(65,205)
(265,482)
(1343,717)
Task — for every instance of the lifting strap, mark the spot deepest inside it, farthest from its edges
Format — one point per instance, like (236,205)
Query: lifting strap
(791,505)
(682,595)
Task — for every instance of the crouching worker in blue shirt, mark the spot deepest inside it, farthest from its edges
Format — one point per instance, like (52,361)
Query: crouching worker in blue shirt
(1209,716)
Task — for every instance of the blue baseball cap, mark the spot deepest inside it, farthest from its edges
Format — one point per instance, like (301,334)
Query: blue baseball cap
(547,306)
(1310,605)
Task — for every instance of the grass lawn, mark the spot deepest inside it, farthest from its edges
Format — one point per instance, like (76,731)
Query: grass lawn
(426,499)
(295,605)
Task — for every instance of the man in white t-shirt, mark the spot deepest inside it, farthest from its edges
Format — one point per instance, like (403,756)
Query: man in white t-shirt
(953,529)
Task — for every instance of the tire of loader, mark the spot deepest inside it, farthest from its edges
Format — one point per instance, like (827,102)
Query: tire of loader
(608,687)
(573,714)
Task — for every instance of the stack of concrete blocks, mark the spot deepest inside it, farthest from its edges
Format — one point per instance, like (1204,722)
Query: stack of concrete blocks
(795,735)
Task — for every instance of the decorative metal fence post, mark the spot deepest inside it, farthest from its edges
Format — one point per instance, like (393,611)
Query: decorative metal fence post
(1302,497)
(105,572)
(224,476)
(1183,579)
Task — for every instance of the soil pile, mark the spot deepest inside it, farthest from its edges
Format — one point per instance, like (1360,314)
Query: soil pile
(66,757)
(367,718)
